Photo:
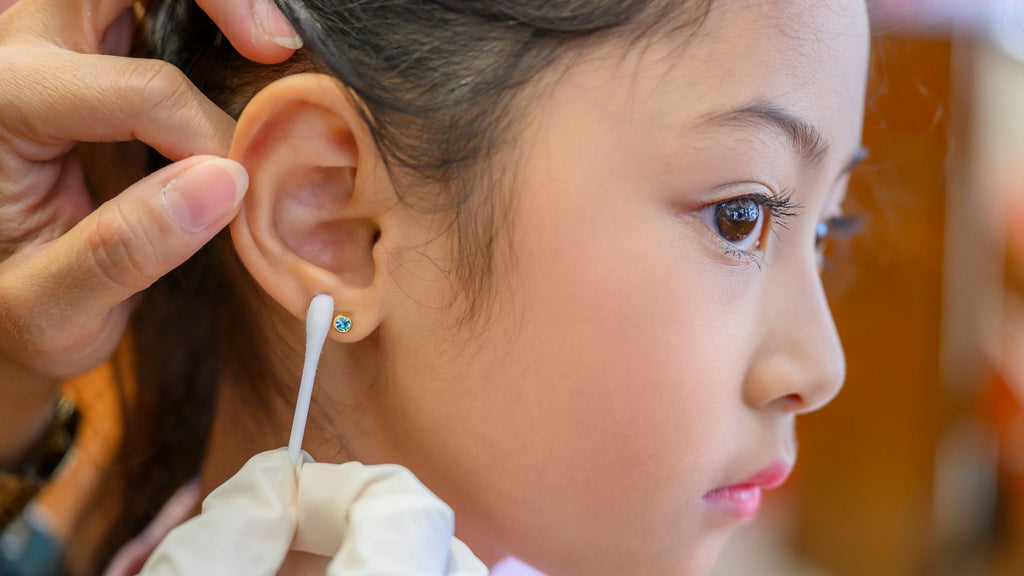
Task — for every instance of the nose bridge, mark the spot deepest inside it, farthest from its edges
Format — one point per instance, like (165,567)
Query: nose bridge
(800,366)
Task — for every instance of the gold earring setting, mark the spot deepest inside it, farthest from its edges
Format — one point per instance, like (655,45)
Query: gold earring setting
(342,323)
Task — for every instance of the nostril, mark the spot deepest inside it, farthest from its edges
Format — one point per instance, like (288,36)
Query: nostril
(791,403)
(778,384)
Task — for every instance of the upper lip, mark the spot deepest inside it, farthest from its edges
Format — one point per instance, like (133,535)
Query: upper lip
(771,476)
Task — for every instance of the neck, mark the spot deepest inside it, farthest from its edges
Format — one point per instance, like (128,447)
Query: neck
(256,416)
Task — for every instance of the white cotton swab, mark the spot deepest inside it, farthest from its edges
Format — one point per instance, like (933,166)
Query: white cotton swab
(318,323)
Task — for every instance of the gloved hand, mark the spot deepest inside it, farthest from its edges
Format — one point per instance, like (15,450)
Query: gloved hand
(354,520)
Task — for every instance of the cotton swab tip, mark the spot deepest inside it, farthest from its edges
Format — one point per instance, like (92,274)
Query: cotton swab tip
(318,323)
(319,317)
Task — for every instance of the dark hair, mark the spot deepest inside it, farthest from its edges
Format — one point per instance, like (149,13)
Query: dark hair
(437,83)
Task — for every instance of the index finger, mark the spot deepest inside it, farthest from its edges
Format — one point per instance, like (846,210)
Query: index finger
(51,98)
(256,28)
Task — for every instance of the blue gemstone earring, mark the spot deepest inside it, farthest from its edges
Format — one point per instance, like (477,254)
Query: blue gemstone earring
(342,323)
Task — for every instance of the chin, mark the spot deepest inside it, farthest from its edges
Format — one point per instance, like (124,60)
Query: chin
(693,554)
(687,560)
(701,559)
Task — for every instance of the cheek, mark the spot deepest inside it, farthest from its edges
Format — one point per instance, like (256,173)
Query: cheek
(635,379)
(602,400)
(601,403)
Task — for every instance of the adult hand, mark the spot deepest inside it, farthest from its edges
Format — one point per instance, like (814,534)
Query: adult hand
(67,271)
(255,28)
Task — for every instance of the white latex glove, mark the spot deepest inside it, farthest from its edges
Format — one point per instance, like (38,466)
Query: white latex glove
(362,520)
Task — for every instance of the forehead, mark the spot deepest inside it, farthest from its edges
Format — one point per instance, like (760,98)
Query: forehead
(808,57)
(786,51)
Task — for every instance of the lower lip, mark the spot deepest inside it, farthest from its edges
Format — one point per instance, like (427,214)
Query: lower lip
(744,502)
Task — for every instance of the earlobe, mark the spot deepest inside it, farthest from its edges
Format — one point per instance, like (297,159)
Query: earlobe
(311,220)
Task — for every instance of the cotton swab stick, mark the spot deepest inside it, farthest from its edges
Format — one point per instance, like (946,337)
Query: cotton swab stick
(318,323)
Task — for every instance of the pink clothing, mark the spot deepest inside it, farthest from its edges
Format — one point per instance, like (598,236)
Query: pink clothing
(513,567)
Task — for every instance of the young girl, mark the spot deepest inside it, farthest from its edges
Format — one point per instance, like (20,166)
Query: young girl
(577,243)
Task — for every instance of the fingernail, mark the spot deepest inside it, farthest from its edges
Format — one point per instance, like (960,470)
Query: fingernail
(205,193)
(274,25)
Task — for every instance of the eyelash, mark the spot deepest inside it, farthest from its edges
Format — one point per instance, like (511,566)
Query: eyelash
(780,209)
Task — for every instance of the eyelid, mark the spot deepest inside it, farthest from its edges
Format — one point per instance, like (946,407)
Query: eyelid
(743,189)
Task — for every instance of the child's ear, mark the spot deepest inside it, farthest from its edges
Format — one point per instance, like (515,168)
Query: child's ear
(311,221)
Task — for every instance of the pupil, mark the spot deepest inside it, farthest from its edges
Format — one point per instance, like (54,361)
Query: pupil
(737,219)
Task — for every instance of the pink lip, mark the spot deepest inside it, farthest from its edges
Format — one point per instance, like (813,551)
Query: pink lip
(743,500)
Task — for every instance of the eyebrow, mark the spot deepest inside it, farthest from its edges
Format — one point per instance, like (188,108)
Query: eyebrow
(805,137)
(859,156)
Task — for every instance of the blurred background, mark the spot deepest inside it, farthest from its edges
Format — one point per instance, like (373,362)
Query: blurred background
(918,467)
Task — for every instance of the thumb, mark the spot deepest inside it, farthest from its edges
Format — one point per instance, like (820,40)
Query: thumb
(129,242)
(62,299)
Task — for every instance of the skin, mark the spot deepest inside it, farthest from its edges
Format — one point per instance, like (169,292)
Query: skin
(68,269)
(631,360)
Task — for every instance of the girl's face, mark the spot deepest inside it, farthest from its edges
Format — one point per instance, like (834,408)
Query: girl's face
(658,329)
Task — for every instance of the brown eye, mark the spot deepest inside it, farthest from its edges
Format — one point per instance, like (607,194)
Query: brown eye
(739,221)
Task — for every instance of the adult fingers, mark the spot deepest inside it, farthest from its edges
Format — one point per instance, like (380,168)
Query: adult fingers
(256,28)
(74,24)
(132,240)
(64,301)
(51,97)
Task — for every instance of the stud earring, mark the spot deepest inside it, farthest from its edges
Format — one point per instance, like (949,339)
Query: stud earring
(342,323)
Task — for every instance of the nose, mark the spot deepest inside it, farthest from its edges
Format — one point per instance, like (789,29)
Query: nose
(799,366)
